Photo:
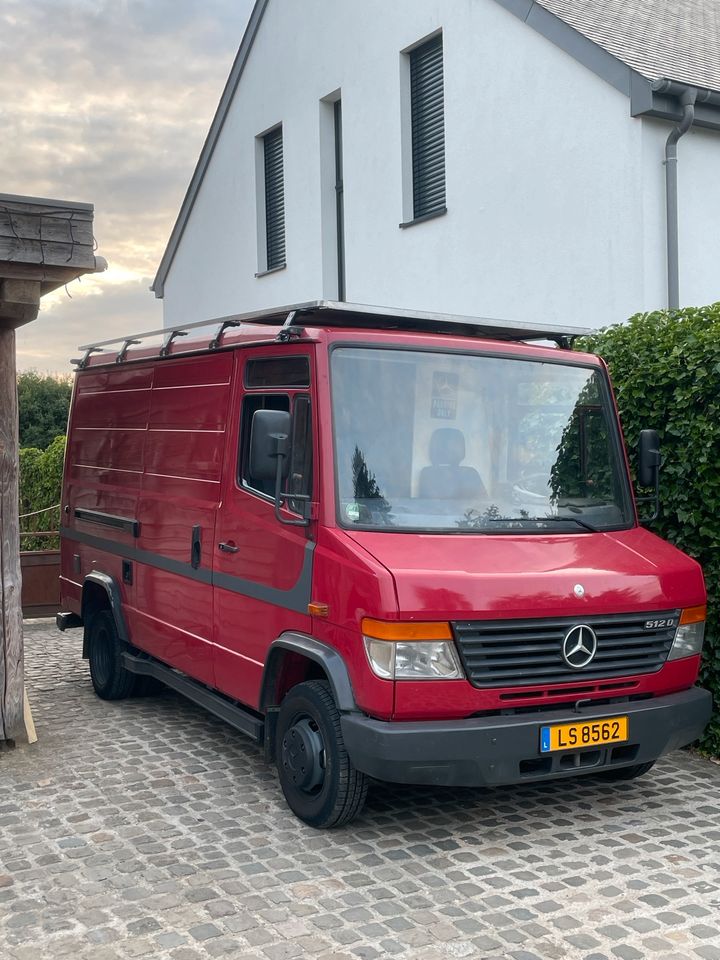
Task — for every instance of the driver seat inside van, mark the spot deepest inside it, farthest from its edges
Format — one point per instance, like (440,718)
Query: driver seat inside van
(446,478)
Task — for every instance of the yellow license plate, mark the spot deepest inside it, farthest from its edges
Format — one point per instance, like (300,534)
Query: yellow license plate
(592,733)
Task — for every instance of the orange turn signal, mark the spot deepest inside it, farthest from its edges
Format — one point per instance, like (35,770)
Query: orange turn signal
(396,630)
(694,614)
(317,609)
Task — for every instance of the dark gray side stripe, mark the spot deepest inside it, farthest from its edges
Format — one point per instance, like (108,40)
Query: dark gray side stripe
(296,598)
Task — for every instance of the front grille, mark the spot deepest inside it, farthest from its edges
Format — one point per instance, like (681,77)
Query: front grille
(509,653)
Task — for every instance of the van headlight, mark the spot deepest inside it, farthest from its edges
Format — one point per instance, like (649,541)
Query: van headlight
(411,651)
(690,634)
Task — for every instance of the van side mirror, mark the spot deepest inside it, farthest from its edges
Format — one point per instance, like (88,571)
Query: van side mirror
(648,458)
(269,444)
(649,462)
(270,456)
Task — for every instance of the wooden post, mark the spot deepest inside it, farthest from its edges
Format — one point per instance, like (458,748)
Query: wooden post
(12,724)
(43,244)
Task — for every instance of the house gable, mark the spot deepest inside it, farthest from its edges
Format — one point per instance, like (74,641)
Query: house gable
(658,98)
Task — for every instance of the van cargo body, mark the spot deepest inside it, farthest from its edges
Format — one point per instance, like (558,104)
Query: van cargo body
(383,545)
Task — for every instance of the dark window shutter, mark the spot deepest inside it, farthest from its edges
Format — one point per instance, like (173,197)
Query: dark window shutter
(274,199)
(428,127)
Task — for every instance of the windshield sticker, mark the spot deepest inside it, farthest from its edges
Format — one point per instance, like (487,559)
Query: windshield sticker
(443,404)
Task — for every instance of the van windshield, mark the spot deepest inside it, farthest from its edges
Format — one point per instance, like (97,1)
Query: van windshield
(431,441)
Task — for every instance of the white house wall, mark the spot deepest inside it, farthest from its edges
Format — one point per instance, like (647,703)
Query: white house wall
(555,194)
(699,190)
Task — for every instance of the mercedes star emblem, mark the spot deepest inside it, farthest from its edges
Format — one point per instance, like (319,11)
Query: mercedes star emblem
(579,646)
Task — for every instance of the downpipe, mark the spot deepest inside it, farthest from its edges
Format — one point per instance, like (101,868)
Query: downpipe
(687,100)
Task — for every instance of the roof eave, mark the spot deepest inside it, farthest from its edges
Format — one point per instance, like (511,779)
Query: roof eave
(661,99)
(647,98)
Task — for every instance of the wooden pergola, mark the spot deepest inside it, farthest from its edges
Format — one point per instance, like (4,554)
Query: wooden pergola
(43,245)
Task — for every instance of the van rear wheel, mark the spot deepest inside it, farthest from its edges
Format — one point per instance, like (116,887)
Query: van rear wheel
(320,784)
(110,678)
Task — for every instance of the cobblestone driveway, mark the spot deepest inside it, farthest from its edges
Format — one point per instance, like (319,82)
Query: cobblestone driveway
(147,828)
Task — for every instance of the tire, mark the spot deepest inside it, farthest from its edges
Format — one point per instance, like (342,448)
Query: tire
(320,784)
(629,773)
(110,679)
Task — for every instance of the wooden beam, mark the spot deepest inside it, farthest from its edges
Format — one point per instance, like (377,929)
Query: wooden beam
(16,314)
(19,301)
(47,252)
(64,228)
(12,725)
(20,291)
(50,276)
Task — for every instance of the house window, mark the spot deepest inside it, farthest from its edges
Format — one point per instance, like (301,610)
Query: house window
(427,108)
(274,199)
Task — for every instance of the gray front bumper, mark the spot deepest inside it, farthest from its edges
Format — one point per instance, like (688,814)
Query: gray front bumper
(486,751)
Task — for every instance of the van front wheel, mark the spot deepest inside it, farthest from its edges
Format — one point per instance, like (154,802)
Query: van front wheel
(320,784)
(110,678)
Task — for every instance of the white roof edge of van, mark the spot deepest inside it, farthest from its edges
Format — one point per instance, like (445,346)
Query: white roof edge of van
(358,314)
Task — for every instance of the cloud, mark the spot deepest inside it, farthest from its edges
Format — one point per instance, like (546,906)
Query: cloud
(109,101)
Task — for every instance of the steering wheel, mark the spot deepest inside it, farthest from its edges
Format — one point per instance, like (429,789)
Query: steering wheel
(532,488)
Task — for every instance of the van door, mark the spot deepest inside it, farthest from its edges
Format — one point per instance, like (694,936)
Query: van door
(262,568)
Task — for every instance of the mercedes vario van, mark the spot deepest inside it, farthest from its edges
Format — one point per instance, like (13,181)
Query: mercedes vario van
(383,544)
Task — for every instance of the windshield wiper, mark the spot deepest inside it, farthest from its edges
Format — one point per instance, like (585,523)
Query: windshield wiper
(565,519)
(580,523)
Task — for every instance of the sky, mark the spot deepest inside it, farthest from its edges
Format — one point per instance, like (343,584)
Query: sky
(108,102)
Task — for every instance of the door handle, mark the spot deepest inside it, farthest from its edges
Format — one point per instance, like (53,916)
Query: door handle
(228,547)
(195,546)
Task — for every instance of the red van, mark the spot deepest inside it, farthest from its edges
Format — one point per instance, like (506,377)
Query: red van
(384,545)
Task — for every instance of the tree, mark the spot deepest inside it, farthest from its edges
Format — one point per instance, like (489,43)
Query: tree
(44,403)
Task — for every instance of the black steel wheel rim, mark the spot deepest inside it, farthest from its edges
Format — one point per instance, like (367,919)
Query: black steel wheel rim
(303,756)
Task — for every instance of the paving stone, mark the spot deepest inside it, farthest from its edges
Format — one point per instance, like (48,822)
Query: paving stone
(146,828)
(204,931)
(626,952)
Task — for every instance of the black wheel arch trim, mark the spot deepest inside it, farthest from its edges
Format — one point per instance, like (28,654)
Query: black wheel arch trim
(327,657)
(112,591)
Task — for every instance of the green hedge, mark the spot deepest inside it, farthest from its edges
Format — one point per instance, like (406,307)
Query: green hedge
(666,373)
(40,487)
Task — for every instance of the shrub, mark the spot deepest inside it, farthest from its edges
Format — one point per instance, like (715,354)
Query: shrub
(665,368)
(40,487)
(43,405)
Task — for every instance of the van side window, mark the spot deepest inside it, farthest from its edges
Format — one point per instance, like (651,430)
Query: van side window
(299,480)
(272,401)
(300,476)
(278,372)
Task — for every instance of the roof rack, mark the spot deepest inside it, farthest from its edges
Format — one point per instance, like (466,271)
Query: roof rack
(331,313)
